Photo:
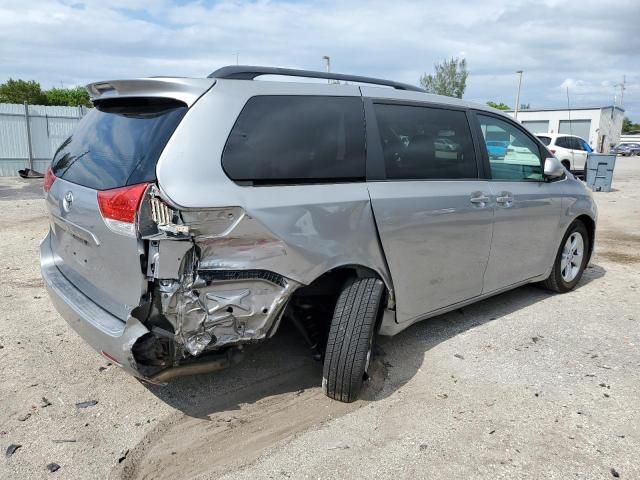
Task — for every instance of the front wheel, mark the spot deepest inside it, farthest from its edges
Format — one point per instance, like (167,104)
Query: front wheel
(571,259)
(351,337)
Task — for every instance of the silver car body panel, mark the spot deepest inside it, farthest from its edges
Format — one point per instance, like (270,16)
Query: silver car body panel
(524,231)
(435,239)
(105,332)
(102,264)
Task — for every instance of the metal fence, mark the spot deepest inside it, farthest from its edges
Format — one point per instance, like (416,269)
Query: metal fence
(31,134)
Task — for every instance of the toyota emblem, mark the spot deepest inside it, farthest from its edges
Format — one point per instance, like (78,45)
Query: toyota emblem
(68,201)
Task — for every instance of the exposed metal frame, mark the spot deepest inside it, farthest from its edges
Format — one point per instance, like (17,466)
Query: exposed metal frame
(248,72)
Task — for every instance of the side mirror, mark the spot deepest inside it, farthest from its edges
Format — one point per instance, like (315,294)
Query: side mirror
(553,168)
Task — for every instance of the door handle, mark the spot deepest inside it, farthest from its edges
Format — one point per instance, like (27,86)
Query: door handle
(505,198)
(479,198)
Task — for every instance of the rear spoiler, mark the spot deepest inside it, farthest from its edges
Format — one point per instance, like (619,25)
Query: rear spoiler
(186,90)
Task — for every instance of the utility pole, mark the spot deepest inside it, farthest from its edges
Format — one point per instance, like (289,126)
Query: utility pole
(327,59)
(623,87)
(518,96)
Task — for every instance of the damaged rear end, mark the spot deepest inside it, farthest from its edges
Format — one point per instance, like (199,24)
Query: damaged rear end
(123,265)
(198,316)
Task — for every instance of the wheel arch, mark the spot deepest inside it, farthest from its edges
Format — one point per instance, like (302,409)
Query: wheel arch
(321,294)
(590,225)
(344,271)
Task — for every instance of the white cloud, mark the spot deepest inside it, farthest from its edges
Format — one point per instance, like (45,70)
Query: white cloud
(586,43)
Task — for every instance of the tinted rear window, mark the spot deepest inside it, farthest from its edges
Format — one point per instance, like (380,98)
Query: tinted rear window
(545,140)
(297,139)
(118,143)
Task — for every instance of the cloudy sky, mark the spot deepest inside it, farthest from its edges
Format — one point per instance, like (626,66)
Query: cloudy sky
(585,45)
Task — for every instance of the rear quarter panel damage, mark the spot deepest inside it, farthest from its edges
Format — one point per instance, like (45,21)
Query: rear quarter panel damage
(299,232)
(247,262)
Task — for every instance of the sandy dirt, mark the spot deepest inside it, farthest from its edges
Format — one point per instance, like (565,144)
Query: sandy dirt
(523,385)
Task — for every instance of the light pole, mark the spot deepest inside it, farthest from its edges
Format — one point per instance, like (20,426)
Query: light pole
(518,97)
(327,59)
(622,89)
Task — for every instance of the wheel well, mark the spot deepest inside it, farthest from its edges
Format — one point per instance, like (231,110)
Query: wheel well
(591,230)
(310,308)
(566,163)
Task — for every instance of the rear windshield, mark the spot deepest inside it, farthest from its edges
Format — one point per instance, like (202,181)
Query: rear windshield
(118,142)
(545,140)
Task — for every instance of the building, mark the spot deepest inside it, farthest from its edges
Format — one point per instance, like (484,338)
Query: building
(600,126)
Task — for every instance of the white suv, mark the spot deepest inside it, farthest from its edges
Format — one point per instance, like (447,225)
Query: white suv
(570,150)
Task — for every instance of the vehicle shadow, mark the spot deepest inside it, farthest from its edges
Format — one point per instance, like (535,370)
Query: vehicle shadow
(283,365)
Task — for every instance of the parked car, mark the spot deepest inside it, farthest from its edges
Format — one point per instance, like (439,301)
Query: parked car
(190,217)
(626,149)
(570,150)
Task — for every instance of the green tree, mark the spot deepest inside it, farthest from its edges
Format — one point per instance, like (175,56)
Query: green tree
(450,78)
(628,126)
(20,91)
(68,97)
(499,106)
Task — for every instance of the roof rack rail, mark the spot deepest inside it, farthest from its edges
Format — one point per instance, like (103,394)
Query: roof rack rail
(247,72)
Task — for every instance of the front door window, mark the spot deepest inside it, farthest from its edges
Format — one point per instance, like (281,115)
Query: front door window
(513,156)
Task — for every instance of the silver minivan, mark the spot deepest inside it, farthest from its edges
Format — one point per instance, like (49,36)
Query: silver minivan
(190,217)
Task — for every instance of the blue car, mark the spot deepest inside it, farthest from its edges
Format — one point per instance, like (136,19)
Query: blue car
(496,149)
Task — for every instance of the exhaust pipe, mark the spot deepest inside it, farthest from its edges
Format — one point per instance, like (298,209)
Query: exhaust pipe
(219,362)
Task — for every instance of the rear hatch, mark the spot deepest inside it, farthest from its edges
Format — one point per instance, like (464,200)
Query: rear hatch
(101,173)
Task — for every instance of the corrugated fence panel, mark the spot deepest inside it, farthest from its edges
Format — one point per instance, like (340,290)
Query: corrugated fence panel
(13,137)
(39,137)
(49,125)
(41,165)
(54,111)
(16,108)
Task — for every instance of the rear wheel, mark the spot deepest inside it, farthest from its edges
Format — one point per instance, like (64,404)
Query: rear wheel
(351,337)
(571,259)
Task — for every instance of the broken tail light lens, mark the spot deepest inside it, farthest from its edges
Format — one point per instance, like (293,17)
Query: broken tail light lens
(49,178)
(119,206)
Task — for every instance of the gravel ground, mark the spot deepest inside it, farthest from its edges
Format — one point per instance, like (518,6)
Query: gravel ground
(523,385)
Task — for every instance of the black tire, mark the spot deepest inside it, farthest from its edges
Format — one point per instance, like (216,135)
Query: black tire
(556,282)
(351,337)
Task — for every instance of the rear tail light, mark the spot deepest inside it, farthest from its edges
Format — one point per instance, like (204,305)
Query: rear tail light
(119,207)
(509,150)
(552,151)
(49,178)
